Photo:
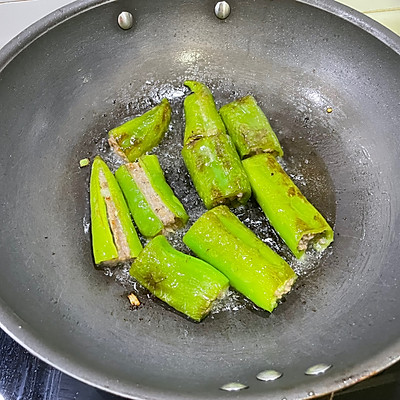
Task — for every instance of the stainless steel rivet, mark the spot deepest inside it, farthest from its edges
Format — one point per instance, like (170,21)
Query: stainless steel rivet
(269,375)
(318,369)
(125,20)
(233,387)
(222,10)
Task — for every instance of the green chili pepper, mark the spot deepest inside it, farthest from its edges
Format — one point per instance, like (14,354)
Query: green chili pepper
(114,238)
(209,153)
(184,282)
(249,128)
(151,201)
(202,118)
(252,268)
(296,220)
(141,134)
(216,171)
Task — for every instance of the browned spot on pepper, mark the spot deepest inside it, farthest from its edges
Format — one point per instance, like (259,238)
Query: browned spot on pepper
(166,112)
(227,165)
(319,219)
(243,99)
(122,137)
(218,196)
(152,281)
(136,143)
(275,167)
(219,150)
(301,225)
(291,191)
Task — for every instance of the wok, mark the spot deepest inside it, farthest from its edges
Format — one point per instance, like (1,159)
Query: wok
(73,75)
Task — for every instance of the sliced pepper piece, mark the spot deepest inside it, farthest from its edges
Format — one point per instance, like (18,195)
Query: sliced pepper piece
(184,282)
(152,202)
(252,268)
(114,238)
(141,134)
(201,115)
(216,171)
(249,128)
(295,219)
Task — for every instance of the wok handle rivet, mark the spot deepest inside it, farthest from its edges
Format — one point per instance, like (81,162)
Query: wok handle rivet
(125,20)
(269,375)
(222,10)
(318,369)
(233,387)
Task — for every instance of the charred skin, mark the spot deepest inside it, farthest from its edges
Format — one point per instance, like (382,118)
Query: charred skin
(216,171)
(141,134)
(249,128)
(295,219)
(201,115)
(152,203)
(209,154)
(252,268)
(114,238)
(184,282)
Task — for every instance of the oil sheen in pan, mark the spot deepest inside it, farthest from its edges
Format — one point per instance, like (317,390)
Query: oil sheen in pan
(300,161)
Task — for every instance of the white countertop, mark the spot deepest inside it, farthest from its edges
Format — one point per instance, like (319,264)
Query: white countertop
(17,15)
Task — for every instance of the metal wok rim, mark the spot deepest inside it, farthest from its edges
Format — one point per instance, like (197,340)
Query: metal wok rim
(10,322)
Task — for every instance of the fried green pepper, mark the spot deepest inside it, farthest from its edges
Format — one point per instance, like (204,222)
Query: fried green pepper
(152,203)
(141,134)
(252,268)
(114,238)
(184,282)
(202,118)
(249,128)
(216,171)
(295,219)
(209,153)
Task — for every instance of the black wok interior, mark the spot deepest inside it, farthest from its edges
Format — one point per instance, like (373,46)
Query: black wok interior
(58,98)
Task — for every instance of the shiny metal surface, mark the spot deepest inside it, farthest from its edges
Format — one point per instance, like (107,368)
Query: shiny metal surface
(87,79)
(222,10)
(125,20)
(269,375)
(318,369)
(233,387)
